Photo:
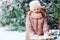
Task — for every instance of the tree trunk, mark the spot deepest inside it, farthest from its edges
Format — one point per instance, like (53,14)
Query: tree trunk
(59,24)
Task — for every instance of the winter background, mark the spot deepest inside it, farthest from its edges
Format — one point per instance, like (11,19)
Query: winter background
(13,18)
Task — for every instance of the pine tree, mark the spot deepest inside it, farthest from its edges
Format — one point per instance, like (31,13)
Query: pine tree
(52,12)
(13,14)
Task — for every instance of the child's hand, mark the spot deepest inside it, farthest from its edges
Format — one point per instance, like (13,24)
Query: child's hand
(34,37)
(47,34)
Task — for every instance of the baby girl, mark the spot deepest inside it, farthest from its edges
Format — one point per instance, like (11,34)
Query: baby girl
(36,23)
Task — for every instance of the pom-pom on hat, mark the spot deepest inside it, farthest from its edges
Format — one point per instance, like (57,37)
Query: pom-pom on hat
(34,5)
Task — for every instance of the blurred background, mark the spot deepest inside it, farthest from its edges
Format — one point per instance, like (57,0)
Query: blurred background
(13,14)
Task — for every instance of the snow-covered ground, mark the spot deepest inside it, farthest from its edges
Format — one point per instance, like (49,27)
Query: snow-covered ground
(11,35)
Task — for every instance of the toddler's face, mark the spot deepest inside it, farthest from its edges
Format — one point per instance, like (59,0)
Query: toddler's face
(35,6)
(36,10)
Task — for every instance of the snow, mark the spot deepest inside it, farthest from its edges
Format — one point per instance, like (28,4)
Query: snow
(6,35)
(11,35)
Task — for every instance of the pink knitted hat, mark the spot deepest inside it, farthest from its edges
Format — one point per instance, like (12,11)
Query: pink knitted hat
(34,5)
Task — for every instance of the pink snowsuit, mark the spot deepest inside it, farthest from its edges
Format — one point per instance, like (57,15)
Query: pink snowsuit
(35,25)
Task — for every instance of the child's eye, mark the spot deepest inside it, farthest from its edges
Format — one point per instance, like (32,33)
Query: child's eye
(36,9)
